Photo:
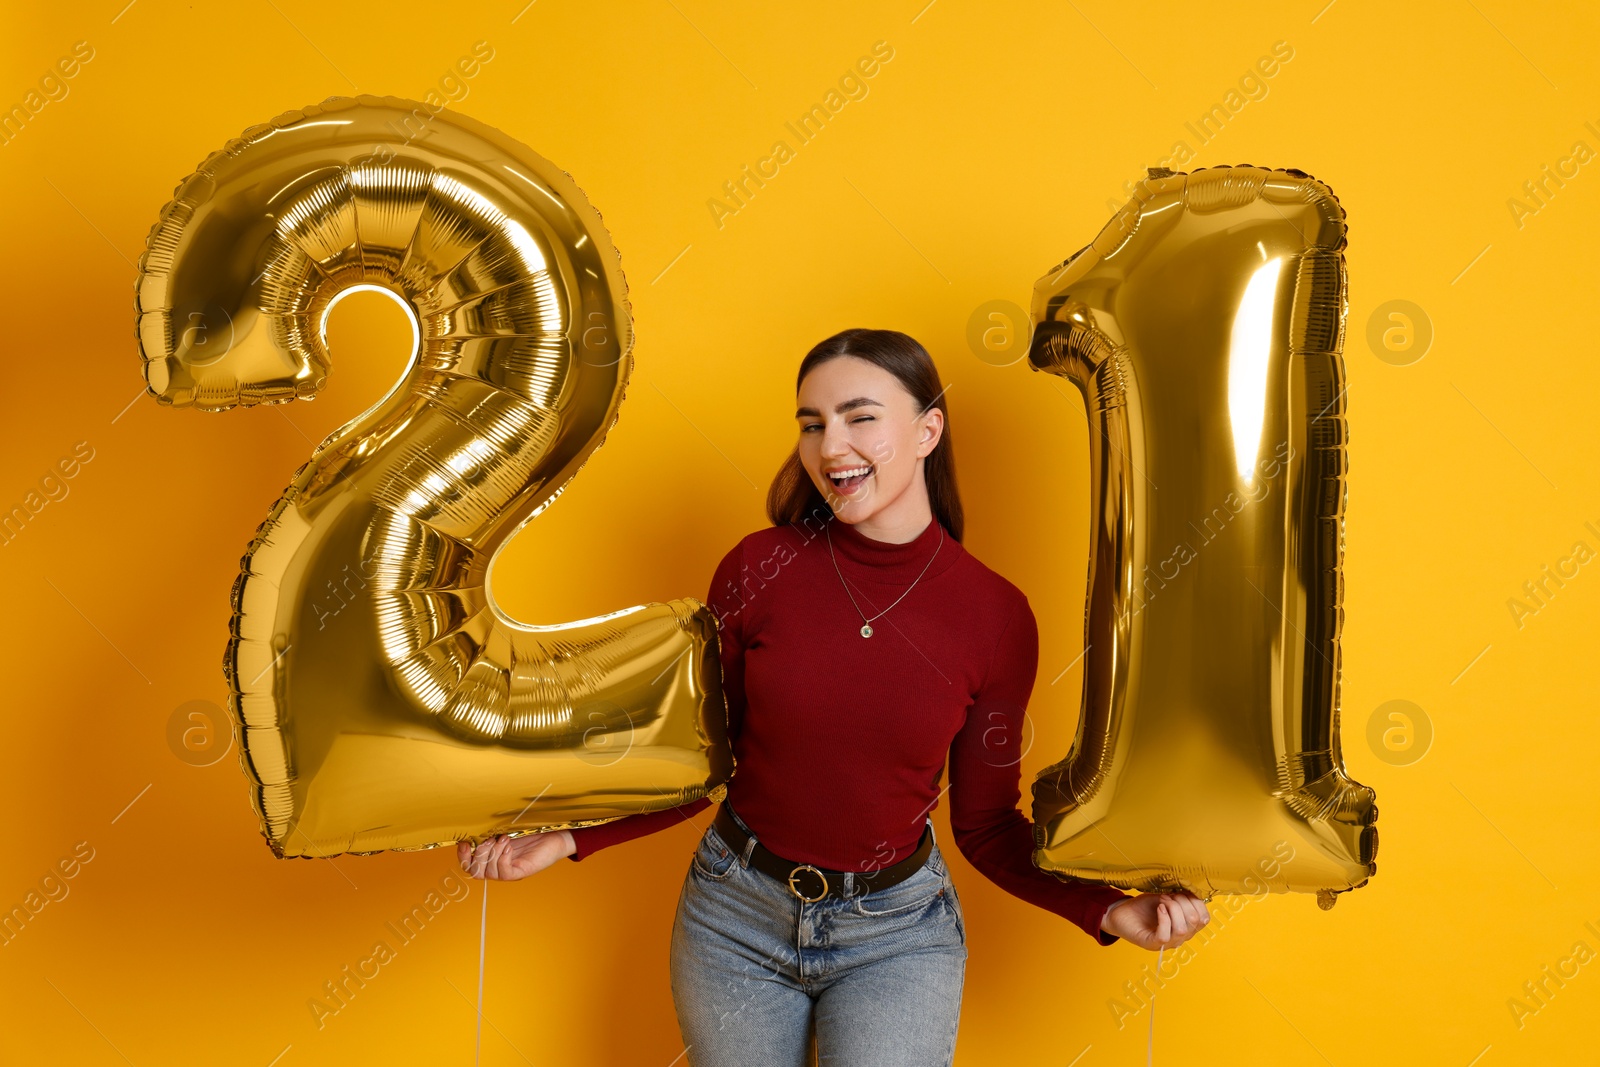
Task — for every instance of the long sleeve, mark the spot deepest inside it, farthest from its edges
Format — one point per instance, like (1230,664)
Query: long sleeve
(591,839)
(725,603)
(985,777)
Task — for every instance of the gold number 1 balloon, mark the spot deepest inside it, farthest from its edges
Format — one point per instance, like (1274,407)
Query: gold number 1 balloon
(384,699)
(1204,327)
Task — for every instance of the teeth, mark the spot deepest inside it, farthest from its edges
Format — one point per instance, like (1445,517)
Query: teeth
(840,476)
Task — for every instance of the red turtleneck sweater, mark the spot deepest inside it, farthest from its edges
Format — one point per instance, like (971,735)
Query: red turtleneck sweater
(840,740)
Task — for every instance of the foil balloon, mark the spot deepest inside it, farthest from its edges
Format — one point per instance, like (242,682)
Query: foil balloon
(381,697)
(1204,327)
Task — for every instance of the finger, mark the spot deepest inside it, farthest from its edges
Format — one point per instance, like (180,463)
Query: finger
(504,857)
(1181,926)
(491,860)
(1188,915)
(1163,922)
(484,855)
(1175,916)
(1183,912)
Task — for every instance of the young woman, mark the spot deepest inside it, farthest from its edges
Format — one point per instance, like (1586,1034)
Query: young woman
(863,650)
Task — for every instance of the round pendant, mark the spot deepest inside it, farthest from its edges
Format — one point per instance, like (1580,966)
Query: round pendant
(866,631)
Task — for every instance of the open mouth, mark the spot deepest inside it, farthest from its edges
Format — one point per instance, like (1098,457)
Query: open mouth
(849,479)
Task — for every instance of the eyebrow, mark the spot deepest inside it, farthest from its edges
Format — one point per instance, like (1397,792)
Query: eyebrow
(848,405)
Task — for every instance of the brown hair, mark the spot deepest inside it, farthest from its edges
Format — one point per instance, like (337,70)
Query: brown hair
(793,496)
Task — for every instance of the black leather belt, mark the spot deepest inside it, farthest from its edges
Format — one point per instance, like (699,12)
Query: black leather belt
(819,881)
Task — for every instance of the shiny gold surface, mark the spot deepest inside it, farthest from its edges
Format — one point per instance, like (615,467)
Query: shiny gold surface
(1204,328)
(383,699)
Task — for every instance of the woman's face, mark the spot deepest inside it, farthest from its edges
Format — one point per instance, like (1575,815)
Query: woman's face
(856,419)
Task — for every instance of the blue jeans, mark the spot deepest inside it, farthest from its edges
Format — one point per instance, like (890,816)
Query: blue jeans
(753,966)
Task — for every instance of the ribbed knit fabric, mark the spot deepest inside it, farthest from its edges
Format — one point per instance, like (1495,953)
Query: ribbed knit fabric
(840,741)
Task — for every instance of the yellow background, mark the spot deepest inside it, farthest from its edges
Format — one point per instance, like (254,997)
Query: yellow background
(989,148)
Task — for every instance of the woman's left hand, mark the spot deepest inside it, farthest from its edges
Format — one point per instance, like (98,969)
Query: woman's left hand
(1158,920)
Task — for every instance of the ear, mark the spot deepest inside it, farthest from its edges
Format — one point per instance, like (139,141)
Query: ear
(932,432)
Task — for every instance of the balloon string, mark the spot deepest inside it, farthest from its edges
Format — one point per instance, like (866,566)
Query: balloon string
(1150,1038)
(483,933)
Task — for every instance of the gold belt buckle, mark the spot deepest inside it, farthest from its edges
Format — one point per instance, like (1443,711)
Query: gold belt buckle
(802,896)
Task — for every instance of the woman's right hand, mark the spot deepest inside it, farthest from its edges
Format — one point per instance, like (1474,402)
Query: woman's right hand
(510,858)
(1157,920)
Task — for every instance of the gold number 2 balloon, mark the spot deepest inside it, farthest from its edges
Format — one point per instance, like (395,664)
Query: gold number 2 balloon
(1204,328)
(383,699)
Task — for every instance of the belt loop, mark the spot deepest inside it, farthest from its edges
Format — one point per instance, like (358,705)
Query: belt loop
(849,885)
(749,847)
(749,839)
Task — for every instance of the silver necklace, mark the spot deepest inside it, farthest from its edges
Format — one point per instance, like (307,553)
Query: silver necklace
(866,628)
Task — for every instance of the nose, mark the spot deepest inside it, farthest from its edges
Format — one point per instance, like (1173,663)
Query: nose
(835,442)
